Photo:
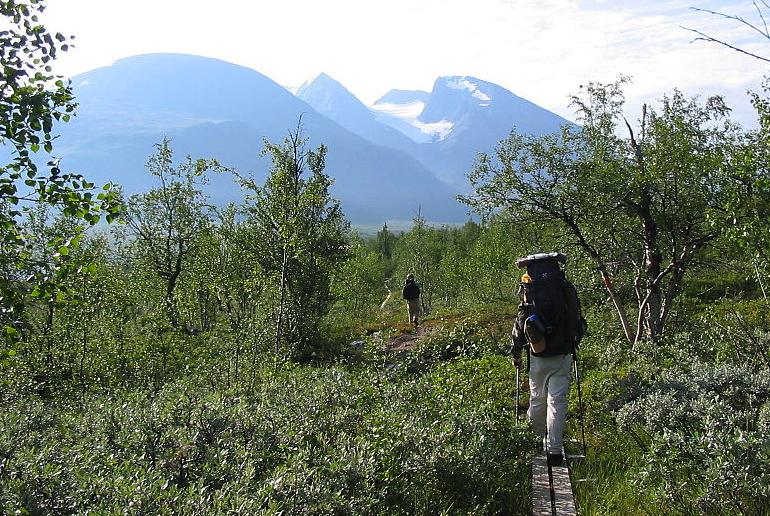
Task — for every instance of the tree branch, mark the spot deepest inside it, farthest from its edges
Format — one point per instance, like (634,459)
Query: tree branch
(706,37)
(735,18)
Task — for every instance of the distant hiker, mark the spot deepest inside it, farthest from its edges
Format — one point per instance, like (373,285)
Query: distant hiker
(411,293)
(550,323)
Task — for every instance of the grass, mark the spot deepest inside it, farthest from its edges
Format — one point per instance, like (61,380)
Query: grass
(602,483)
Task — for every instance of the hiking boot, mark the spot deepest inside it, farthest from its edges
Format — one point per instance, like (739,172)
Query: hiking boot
(555,459)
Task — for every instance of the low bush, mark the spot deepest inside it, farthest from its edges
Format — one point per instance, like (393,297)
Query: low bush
(703,434)
(296,439)
(467,337)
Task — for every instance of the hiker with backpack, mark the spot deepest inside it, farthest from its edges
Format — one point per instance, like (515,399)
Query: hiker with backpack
(550,324)
(411,293)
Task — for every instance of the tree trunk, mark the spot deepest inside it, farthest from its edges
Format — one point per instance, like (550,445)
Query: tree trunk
(630,334)
(171,311)
(282,297)
(651,310)
(48,330)
(606,280)
(173,278)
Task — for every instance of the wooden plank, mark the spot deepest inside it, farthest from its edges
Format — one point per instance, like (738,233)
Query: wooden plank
(541,488)
(564,501)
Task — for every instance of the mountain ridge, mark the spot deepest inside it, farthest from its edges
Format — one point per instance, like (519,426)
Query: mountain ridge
(387,165)
(211,108)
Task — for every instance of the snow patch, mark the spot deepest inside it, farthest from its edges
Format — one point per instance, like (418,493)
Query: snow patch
(462,83)
(437,130)
(409,110)
(404,118)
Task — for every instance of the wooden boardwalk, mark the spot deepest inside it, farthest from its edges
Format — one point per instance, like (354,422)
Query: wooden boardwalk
(551,489)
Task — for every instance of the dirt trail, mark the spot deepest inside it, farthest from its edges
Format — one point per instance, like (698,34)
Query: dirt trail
(406,341)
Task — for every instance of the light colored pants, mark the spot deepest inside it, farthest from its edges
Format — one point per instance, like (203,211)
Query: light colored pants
(413,309)
(548,390)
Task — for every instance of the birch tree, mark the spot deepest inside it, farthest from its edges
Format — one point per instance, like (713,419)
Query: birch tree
(643,206)
(168,221)
(299,239)
(33,100)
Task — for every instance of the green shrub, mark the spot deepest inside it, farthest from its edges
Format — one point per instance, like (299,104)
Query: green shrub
(704,434)
(468,337)
(296,439)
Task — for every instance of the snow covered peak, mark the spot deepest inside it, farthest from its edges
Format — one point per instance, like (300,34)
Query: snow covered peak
(468,84)
(462,91)
(431,117)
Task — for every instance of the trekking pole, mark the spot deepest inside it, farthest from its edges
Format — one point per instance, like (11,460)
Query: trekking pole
(580,404)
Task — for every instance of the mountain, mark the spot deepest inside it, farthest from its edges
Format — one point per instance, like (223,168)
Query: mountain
(410,150)
(400,109)
(333,100)
(460,117)
(404,97)
(444,129)
(214,109)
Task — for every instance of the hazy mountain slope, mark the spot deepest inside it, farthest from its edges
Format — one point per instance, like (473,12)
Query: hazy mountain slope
(333,100)
(460,117)
(446,128)
(210,108)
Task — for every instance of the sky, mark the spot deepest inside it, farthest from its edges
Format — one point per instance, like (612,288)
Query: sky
(540,50)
